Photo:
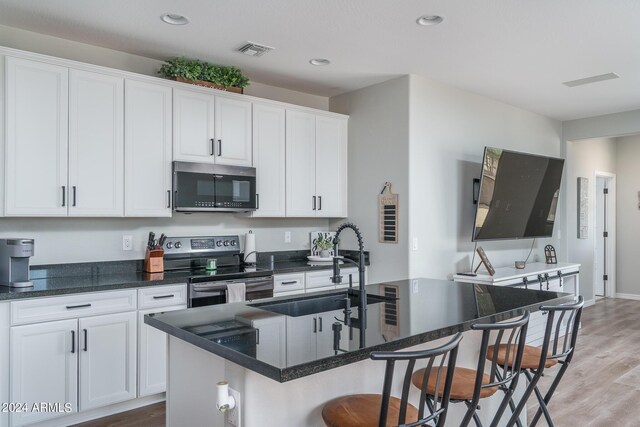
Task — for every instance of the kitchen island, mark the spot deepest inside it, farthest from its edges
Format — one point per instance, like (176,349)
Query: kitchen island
(289,356)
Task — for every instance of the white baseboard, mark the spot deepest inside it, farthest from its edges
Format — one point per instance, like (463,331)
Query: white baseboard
(589,303)
(81,417)
(627,296)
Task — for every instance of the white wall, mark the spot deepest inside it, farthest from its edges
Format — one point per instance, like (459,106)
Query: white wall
(628,214)
(449,129)
(617,124)
(62,48)
(378,152)
(585,157)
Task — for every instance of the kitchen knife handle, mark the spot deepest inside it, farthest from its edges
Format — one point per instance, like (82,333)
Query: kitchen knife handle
(74,196)
(319,203)
(314,203)
(212,146)
(64,195)
(85,339)
(168,199)
(73,342)
(315,325)
(219,147)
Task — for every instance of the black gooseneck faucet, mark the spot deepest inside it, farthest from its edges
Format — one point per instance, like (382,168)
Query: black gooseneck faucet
(337,278)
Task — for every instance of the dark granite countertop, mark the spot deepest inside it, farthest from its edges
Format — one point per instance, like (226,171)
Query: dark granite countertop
(423,310)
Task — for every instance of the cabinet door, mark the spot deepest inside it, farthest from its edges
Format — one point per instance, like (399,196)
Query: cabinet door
(301,339)
(301,164)
(147,149)
(193,126)
(44,367)
(96,144)
(152,354)
(233,131)
(269,159)
(325,334)
(331,166)
(107,366)
(271,347)
(37,111)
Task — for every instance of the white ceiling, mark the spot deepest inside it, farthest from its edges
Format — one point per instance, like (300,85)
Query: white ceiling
(515,51)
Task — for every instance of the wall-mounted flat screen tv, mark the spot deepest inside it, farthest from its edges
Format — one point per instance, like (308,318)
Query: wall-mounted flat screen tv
(518,195)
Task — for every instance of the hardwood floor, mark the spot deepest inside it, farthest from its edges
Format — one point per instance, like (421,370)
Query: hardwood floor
(600,389)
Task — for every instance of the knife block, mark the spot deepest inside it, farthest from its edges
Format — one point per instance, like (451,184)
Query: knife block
(154,261)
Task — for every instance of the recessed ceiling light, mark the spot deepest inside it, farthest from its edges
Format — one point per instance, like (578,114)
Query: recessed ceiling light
(427,20)
(174,19)
(319,61)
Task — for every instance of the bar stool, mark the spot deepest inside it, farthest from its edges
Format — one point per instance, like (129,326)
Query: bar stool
(469,386)
(537,359)
(367,410)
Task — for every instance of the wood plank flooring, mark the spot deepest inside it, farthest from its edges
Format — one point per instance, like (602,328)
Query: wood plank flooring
(600,389)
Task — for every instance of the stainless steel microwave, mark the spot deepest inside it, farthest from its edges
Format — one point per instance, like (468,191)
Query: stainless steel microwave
(203,187)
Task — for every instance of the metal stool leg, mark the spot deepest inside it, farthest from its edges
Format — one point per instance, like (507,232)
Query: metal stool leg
(533,381)
(547,398)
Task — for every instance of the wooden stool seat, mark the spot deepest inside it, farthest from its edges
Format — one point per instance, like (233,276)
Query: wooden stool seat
(363,410)
(462,386)
(530,357)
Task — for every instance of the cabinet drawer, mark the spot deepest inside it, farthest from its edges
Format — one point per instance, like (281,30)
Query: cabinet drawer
(163,296)
(71,306)
(318,279)
(288,283)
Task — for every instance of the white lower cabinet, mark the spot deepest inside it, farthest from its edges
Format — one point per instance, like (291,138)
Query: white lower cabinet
(152,354)
(107,365)
(312,335)
(44,368)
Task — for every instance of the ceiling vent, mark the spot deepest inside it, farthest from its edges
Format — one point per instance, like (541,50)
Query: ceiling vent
(254,49)
(592,79)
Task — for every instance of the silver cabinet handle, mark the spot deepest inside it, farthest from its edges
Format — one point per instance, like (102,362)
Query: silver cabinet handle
(219,147)
(314,203)
(73,342)
(74,196)
(319,203)
(212,152)
(64,195)
(85,340)
(168,199)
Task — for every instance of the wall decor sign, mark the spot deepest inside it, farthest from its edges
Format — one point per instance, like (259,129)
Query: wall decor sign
(388,215)
(583,208)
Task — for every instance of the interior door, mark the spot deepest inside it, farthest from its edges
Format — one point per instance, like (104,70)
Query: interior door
(37,120)
(233,132)
(96,144)
(107,346)
(601,241)
(331,166)
(301,164)
(44,368)
(194,124)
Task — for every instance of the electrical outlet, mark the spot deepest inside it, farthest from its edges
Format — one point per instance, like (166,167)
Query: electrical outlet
(414,286)
(414,245)
(233,416)
(127,243)
(287,237)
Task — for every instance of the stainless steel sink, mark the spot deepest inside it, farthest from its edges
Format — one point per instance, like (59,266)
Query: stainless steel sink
(317,304)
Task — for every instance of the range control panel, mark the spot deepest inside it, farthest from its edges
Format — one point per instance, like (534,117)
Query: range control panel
(201,244)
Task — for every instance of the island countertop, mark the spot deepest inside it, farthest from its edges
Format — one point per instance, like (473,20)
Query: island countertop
(412,312)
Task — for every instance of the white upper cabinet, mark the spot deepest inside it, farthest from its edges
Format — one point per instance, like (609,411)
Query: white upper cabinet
(147,149)
(331,166)
(316,165)
(269,159)
(211,129)
(194,126)
(301,164)
(233,131)
(37,108)
(96,144)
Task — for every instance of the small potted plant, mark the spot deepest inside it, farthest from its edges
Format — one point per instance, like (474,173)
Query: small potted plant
(324,244)
(202,73)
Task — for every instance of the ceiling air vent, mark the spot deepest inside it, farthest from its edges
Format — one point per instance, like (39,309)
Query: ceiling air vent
(592,79)
(254,49)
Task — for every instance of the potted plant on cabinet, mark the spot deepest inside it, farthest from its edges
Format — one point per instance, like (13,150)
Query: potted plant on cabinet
(205,74)
(324,244)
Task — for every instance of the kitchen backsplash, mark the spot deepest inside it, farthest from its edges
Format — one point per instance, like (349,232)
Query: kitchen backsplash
(68,240)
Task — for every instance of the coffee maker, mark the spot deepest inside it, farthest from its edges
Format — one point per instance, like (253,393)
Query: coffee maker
(14,262)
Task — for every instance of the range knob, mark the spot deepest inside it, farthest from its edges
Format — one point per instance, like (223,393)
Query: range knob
(178,245)
(169,245)
(226,243)
(233,242)
(219,243)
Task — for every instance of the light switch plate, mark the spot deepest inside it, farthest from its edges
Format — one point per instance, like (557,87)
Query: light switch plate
(287,237)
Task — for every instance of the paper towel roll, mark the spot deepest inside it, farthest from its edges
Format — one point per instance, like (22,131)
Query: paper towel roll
(250,248)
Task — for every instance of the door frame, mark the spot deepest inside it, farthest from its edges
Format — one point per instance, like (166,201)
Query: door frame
(610,286)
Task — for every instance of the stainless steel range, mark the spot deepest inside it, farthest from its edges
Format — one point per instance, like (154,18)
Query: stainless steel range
(209,284)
